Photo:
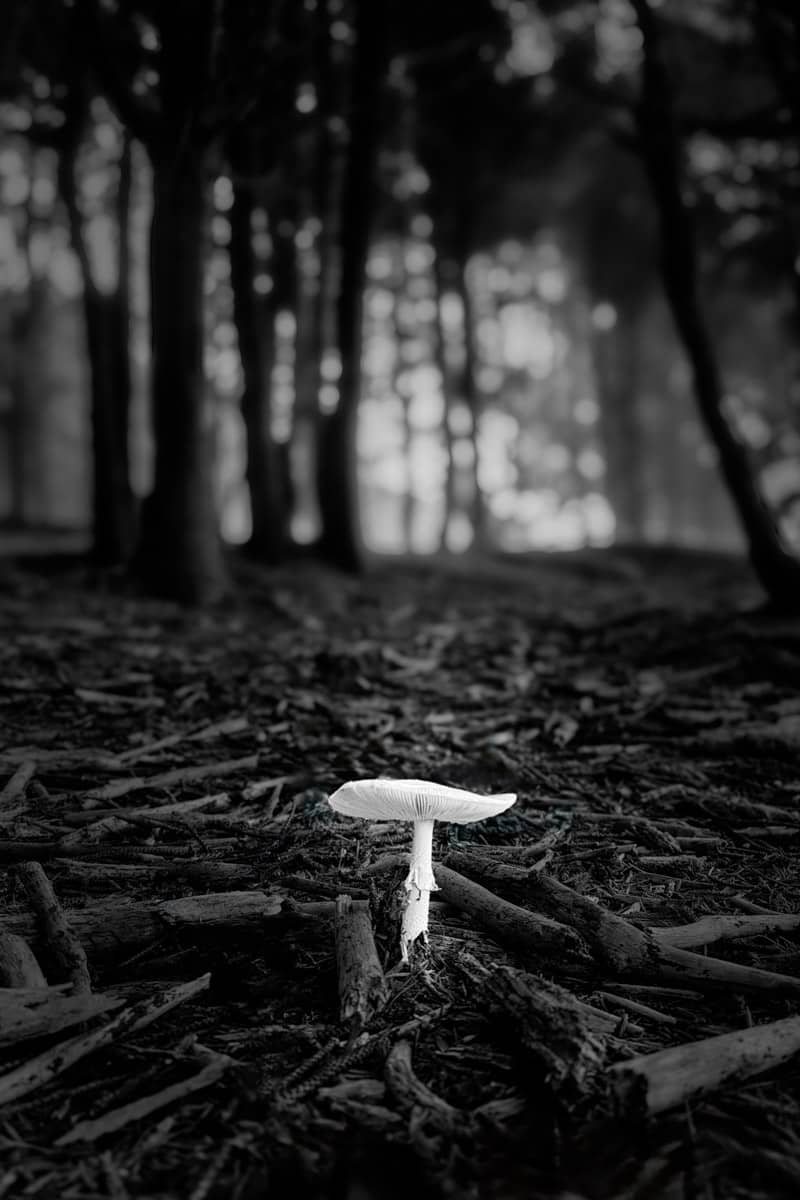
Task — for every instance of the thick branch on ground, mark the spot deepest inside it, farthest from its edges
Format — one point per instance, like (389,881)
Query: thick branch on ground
(47,1066)
(565,1038)
(63,946)
(724,928)
(124,787)
(38,1013)
(18,965)
(417,1100)
(15,788)
(672,1077)
(510,924)
(628,951)
(118,926)
(117,1118)
(362,986)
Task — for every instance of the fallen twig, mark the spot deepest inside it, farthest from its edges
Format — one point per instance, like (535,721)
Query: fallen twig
(117,1118)
(62,943)
(15,788)
(112,926)
(362,986)
(725,927)
(51,1063)
(123,787)
(18,965)
(507,922)
(668,1078)
(411,1094)
(40,1014)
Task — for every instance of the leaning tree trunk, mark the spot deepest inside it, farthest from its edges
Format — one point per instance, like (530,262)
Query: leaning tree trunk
(777,570)
(264,479)
(180,550)
(106,321)
(341,540)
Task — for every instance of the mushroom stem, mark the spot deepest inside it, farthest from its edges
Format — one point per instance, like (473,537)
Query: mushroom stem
(419,883)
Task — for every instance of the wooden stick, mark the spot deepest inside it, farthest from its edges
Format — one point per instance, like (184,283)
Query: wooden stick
(566,1039)
(112,927)
(628,951)
(41,1014)
(117,1118)
(362,986)
(507,922)
(52,1063)
(123,787)
(204,733)
(15,788)
(669,1078)
(18,965)
(62,943)
(412,1094)
(723,927)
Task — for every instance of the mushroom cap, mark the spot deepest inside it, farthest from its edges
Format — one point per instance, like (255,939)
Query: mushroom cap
(415,800)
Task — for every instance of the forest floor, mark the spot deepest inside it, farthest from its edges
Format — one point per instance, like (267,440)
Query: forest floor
(169,771)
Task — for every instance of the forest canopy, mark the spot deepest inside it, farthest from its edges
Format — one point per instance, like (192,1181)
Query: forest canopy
(351,277)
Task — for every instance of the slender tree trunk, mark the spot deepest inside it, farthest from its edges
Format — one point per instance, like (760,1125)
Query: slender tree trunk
(341,540)
(256,348)
(106,321)
(472,395)
(617,355)
(180,551)
(777,570)
(440,358)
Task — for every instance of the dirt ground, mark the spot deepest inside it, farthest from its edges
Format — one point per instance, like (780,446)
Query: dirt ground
(169,771)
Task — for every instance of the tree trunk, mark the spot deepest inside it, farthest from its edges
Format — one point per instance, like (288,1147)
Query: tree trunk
(180,551)
(472,397)
(616,354)
(341,540)
(777,570)
(440,358)
(256,348)
(106,317)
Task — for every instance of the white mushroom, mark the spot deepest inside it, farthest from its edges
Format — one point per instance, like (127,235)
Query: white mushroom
(422,802)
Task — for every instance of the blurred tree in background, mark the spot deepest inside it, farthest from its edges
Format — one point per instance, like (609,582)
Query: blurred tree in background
(348,276)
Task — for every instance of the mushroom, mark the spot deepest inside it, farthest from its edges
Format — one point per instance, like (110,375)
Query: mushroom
(422,802)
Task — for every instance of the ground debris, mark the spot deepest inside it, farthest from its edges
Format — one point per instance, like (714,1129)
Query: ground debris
(653,742)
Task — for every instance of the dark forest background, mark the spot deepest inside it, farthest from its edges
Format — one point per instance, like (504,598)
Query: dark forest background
(343,277)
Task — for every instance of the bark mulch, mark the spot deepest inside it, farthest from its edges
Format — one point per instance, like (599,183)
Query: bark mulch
(200,987)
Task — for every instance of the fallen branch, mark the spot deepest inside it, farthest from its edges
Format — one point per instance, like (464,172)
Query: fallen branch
(18,965)
(726,927)
(626,950)
(54,926)
(117,1118)
(566,1039)
(15,788)
(669,1078)
(507,922)
(123,787)
(40,1014)
(412,1095)
(204,733)
(114,926)
(47,1066)
(362,986)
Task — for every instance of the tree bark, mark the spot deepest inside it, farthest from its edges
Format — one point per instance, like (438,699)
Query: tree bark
(256,349)
(341,540)
(777,570)
(106,317)
(180,552)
